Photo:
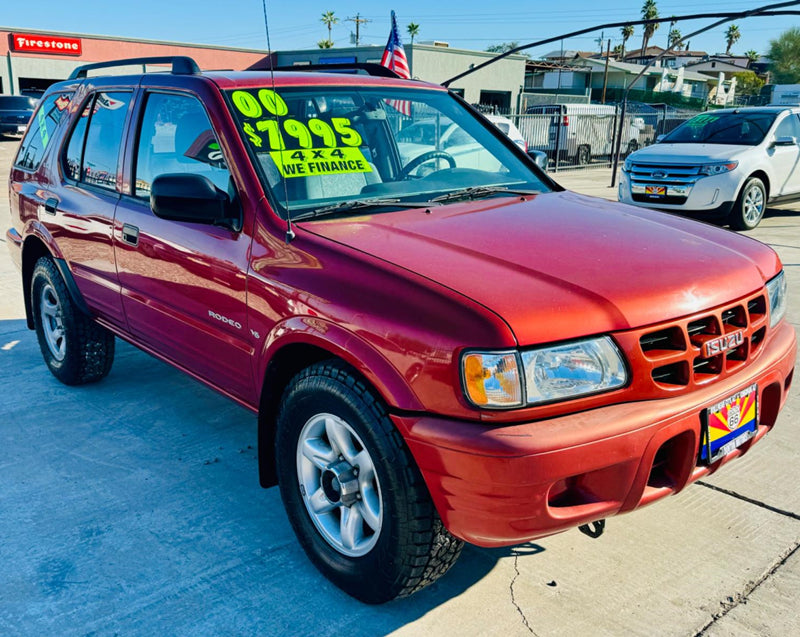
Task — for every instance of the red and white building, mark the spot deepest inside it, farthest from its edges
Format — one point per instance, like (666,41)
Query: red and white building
(34,59)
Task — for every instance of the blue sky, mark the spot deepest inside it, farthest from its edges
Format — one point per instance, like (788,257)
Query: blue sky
(469,24)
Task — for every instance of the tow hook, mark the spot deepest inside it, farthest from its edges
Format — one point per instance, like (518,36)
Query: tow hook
(594,529)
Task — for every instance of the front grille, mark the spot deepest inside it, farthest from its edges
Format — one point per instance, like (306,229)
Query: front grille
(672,357)
(664,173)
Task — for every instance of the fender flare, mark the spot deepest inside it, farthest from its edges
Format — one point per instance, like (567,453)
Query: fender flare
(340,342)
(38,233)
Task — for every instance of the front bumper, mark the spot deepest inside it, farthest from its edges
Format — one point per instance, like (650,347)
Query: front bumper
(710,197)
(497,486)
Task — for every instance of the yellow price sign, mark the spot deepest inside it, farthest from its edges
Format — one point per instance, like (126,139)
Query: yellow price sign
(320,161)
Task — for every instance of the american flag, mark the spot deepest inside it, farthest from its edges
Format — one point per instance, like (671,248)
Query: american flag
(394,58)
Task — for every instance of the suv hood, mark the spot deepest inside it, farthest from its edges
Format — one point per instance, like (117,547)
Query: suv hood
(561,265)
(688,153)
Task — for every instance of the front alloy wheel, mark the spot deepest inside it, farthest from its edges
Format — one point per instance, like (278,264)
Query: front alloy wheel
(339,486)
(750,206)
(355,497)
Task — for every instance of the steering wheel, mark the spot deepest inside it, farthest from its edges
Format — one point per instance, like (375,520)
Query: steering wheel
(427,156)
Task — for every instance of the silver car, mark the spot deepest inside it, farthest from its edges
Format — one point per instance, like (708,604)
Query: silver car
(723,166)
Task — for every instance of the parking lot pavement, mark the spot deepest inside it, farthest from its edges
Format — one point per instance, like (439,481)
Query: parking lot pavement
(132,506)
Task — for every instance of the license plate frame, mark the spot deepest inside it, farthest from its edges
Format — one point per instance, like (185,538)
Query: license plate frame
(718,437)
(655,191)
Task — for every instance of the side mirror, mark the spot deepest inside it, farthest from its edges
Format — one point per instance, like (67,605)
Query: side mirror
(539,157)
(660,138)
(785,141)
(193,198)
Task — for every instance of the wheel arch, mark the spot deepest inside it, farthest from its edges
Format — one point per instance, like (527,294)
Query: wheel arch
(300,348)
(33,249)
(763,176)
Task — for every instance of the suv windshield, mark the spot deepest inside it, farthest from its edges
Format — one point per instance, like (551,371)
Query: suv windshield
(742,129)
(357,147)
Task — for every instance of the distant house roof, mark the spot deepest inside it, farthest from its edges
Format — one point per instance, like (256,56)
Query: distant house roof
(715,65)
(635,69)
(568,54)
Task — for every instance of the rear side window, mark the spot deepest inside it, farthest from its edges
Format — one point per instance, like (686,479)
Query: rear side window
(40,130)
(93,150)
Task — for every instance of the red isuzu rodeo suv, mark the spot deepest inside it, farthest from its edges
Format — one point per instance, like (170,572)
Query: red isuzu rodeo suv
(441,343)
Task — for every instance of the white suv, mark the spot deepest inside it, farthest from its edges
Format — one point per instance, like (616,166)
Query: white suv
(721,165)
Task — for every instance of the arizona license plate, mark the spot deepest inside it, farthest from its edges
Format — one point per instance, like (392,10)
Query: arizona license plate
(21,128)
(660,191)
(729,424)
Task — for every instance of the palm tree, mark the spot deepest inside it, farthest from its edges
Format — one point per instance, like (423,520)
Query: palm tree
(674,37)
(752,55)
(627,32)
(325,44)
(649,12)
(732,36)
(413,30)
(329,19)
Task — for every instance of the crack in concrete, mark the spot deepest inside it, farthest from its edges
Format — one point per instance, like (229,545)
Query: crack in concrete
(744,498)
(741,598)
(514,601)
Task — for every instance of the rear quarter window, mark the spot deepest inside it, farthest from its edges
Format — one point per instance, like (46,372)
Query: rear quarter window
(40,130)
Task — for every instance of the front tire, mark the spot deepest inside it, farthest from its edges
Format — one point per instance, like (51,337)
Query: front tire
(75,348)
(750,205)
(583,156)
(352,491)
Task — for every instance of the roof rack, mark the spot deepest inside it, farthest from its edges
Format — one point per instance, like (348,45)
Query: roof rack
(347,67)
(181,65)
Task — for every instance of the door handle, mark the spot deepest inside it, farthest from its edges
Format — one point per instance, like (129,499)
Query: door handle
(130,234)
(51,205)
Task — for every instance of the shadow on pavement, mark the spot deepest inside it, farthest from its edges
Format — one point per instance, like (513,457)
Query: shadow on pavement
(133,504)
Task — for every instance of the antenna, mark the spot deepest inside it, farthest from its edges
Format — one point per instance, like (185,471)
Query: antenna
(290,235)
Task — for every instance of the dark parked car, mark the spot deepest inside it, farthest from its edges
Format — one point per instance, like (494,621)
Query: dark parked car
(15,113)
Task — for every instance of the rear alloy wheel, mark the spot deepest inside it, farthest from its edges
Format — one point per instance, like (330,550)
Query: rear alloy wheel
(750,206)
(75,348)
(352,491)
(583,156)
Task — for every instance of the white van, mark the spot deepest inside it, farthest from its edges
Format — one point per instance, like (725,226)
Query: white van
(578,131)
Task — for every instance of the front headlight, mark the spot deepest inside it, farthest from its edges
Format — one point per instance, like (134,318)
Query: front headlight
(626,167)
(546,374)
(776,291)
(575,369)
(718,168)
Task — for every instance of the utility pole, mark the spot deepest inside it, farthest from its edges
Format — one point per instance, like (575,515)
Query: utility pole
(605,72)
(359,21)
(600,41)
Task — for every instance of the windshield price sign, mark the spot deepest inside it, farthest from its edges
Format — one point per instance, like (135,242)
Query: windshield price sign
(299,147)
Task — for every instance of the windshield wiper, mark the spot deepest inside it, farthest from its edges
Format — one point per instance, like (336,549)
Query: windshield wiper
(475,192)
(358,204)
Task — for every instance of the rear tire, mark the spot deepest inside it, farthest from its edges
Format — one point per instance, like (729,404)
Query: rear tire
(75,348)
(352,491)
(750,206)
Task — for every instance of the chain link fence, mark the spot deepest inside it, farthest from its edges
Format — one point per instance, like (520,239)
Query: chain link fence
(576,136)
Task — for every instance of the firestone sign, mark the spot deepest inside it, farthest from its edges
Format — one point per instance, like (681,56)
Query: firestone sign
(51,44)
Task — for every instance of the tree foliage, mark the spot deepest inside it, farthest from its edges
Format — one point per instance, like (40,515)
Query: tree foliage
(649,12)
(413,30)
(505,46)
(328,19)
(627,33)
(752,55)
(325,44)
(732,35)
(748,83)
(785,55)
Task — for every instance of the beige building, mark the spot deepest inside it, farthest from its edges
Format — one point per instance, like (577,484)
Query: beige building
(499,85)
